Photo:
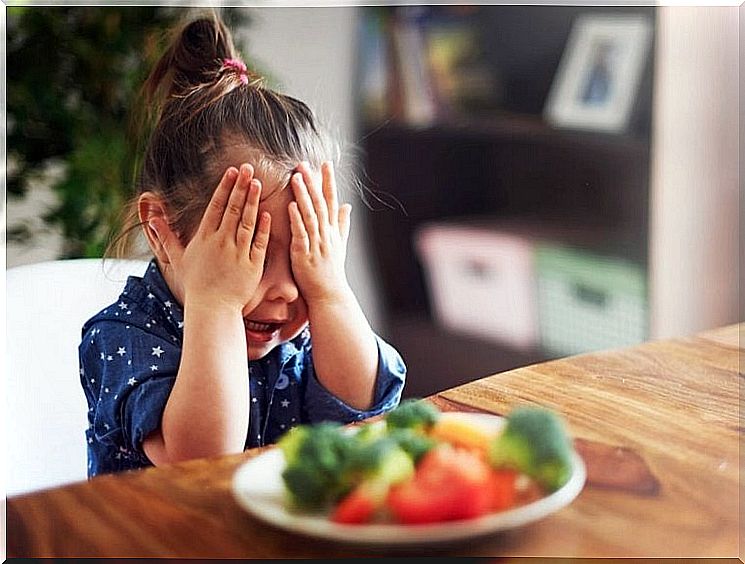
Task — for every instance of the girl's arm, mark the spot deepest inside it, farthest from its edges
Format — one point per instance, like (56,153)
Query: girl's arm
(214,276)
(345,352)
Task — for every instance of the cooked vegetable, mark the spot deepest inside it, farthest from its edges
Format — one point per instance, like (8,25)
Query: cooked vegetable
(315,457)
(414,444)
(418,465)
(449,484)
(535,443)
(324,462)
(417,415)
(460,430)
(374,465)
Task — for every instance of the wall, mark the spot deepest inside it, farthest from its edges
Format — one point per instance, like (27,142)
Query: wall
(694,185)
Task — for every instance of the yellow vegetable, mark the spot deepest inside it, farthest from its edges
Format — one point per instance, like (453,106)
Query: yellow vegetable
(461,430)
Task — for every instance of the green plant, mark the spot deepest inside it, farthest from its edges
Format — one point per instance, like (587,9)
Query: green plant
(73,77)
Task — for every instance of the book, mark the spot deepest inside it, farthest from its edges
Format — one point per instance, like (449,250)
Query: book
(374,54)
(463,79)
(418,105)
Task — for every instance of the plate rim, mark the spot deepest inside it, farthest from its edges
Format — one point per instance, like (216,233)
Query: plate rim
(393,534)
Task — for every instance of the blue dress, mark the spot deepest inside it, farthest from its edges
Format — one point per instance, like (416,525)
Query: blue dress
(129,358)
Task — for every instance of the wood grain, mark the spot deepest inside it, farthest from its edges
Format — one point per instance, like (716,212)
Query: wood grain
(657,424)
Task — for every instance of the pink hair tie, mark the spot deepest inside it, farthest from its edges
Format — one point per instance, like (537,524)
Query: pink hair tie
(237,66)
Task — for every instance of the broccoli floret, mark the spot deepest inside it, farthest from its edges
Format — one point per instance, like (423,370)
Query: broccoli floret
(412,414)
(377,464)
(315,457)
(370,432)
(414,444)
(535,443)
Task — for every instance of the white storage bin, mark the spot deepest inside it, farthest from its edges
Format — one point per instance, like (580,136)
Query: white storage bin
(481,282)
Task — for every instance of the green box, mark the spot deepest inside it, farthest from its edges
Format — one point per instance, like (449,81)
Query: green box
(589,302)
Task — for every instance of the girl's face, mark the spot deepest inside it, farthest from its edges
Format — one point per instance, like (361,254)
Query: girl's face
(277,311)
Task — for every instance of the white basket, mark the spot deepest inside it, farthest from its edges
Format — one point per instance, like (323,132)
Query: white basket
(481,282)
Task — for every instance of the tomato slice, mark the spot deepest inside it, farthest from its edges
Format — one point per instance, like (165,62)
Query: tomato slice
(357,507)
(504,494)
(450,484)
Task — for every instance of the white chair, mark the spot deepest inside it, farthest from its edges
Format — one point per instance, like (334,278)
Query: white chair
(46,411)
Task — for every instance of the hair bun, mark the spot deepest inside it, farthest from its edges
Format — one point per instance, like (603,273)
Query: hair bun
(194,58)
(199,52)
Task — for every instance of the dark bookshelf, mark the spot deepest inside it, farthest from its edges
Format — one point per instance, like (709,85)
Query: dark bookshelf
(505,165)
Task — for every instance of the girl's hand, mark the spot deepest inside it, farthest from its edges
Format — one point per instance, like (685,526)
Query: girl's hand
(320,230)
(224,261)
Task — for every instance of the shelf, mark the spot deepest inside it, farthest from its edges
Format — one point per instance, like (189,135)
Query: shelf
(511,128)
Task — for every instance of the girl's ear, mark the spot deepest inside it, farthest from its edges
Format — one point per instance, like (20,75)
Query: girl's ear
(154,220)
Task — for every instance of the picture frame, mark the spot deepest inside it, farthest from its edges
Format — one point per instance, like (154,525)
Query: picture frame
(599,73)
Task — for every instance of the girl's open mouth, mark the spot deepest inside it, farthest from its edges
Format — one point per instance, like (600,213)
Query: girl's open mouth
(261,331)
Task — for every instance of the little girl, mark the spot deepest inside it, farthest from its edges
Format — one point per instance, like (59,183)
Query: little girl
(244,324)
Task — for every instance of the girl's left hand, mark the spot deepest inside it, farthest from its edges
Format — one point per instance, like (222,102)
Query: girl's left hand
(320,230)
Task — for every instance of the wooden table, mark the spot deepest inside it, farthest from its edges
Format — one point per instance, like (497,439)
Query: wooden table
(658,426)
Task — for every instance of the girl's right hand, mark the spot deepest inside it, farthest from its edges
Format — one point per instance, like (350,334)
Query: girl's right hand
(223,263)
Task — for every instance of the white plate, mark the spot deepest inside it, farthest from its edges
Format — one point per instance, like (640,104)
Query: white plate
(258,488)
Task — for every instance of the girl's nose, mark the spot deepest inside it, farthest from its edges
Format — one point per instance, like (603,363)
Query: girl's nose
(282,287)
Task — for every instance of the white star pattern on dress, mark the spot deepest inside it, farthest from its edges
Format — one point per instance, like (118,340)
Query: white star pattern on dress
(150,296)
(122,351)
(285,403)
(122,305)
(109,357)
(180,324)
(153,368)
(131,382)
(167,303)
(157,351)
(103,356)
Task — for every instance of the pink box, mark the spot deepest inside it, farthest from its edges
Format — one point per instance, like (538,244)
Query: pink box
(481,281)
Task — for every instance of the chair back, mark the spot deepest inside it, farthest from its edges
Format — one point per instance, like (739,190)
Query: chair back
(46,410)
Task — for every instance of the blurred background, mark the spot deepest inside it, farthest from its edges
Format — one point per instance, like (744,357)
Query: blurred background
(538,181)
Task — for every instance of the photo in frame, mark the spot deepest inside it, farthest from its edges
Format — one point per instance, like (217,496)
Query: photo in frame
(599,73)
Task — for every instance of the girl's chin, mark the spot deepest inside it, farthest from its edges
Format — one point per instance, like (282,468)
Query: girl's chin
(257,351)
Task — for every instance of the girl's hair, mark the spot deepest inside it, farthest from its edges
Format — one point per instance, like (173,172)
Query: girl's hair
(201,100)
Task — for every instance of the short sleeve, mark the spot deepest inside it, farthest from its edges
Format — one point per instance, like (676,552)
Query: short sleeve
(322,405)
(129,374)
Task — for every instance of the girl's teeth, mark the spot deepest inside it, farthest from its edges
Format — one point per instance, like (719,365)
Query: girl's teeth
(253,326)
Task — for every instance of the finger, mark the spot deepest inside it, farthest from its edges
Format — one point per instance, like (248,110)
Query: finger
(305,207)
(330,193)
(213,214)
(300,240)
(167,239)
(247,225)
(237,200)
(261,239)
(316,197)
(345,221)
